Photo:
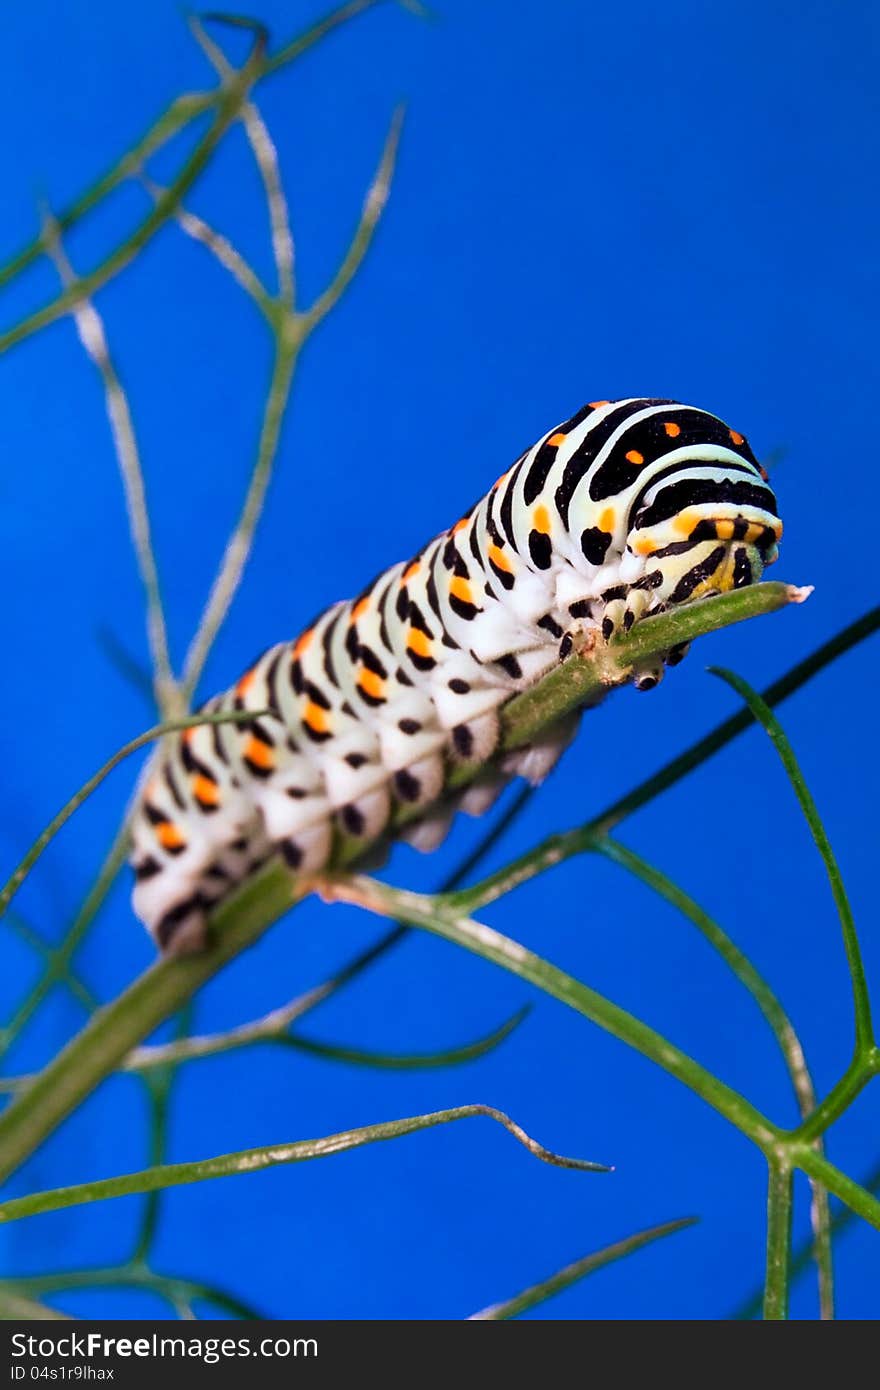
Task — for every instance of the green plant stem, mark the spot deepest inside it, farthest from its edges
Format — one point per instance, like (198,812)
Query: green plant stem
(862,1202)
(232,567)
(56,970)
(587,676)
(179,114)
(491,945)
(763,713)
(274,1028)
(779,1198)
(860,1071)
(93,336)
(840,1219)
(719,737)
(229,104)
(783,1030)
(167,1286)
(158,1086)
(16,1306)
(564,1278)
(256,1160)
(739,963)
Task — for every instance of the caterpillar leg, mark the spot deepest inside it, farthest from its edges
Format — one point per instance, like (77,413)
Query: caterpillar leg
(619,616)
(534,762)
(427,834)
(420,783)
(476,740)
(478,799)
(366,818)
(308,851)
(676,653)
(183,930)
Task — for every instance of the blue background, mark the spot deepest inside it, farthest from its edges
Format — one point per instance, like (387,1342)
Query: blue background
(590,201)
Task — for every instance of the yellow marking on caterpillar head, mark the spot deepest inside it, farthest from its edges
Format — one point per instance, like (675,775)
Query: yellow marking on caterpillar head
(645,546)
(499,559)
(460,588)
(724,530)
(418,642)
(672,429)
(372,684)
(634,457)
(541,519)
(317,719)
(169,835)
(205,790)
(685,522)
(607,520)
(303,641)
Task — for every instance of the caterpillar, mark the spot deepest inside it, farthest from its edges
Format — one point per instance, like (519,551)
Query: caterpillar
(625,509)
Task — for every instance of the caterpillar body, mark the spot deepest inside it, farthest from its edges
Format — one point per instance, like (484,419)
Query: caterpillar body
(625,509)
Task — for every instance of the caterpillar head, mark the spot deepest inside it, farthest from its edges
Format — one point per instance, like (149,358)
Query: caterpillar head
(703,531)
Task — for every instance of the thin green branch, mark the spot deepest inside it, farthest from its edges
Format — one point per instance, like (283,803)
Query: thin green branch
(176,117)
(133,671)
(49,954)
(167,1286)
(379,949)
(765,716)
(491,945)
(14,882)
(776,1016)
(862,1202)
(374,204)
(238,548)
(733,957)
(266,158)
(58,968)
(17,1307)
(841,1218)
(93,336)
(779,1199)
(272,1156)
(860,1071)
(564,1278)
(158,1085)
(275,1028)
(229,102)
(291,331)
(724,733)
(221,248)
(556,848)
